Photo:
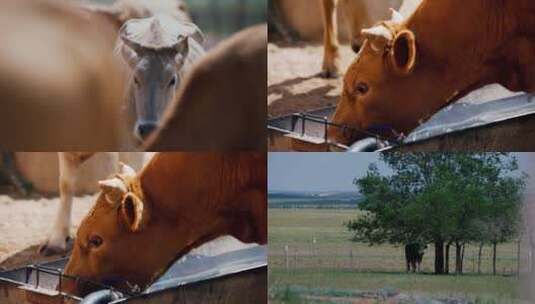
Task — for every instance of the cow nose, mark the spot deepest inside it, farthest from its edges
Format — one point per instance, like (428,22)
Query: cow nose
(145,129)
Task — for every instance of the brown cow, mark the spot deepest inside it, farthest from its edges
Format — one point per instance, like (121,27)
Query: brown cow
(141,223)
(60,84)
(221,105)
(408,70)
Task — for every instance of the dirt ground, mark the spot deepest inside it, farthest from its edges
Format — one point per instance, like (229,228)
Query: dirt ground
(293,81)
(25,224)
(293,84)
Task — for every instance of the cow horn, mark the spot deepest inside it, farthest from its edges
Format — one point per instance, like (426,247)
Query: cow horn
(124,35)
(113,189)
(379,37)
(397,17)
(127,170)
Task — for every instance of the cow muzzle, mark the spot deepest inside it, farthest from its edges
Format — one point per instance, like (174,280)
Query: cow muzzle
(143,130)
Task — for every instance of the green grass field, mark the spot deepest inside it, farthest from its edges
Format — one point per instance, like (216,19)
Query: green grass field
(321,260)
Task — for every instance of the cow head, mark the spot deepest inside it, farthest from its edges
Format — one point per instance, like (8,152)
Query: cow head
(385,90)
(106,248)
(156,55)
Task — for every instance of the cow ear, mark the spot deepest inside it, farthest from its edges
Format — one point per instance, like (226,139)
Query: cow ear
(403,52)
(182,50)
(133,212)
(113,190)
(129,56)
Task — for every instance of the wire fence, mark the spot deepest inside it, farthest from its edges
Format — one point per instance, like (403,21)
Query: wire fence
(349,259)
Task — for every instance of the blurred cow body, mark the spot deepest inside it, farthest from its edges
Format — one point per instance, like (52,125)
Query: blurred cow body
(221,105)
(178,201)
(60,84)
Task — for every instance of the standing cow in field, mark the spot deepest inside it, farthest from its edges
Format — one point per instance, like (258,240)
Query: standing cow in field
(414,253)
(213,111)
(178,201)
(408,69)
(359,14)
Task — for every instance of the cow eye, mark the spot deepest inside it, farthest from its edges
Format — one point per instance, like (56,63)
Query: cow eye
(172,82)
(136,81)
(95,241)
(362,88)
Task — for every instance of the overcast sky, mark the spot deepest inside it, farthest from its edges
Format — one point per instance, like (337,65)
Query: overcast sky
(336,171)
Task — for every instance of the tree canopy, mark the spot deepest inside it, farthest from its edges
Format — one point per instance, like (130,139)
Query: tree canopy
(441,198)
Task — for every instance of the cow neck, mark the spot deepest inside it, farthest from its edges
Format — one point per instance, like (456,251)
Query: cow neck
(470,46)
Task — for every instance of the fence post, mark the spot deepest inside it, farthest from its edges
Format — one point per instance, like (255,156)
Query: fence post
(287,262)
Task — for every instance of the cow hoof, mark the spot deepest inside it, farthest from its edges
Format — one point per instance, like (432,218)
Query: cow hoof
(50,250)
(328,74)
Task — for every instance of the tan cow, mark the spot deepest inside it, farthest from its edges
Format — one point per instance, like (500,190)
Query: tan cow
(60,84)
(222,105)
(142,222)
(160,50)
(159,43)
(409,69)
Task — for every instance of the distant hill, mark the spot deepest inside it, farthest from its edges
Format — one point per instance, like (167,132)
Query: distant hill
(313,199)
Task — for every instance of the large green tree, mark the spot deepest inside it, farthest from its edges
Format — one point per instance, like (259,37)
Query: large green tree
(440,198)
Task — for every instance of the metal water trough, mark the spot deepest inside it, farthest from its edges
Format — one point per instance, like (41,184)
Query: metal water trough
(506,124)
(239,276)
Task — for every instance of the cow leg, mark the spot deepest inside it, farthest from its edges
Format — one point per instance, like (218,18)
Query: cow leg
(59,240)
(353,23)
(331,54)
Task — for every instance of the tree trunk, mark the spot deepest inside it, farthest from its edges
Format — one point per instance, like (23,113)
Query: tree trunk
(458,269)
(518,256)
(447,262)
(439,257)
(480,252)
(494,245)
(462,257)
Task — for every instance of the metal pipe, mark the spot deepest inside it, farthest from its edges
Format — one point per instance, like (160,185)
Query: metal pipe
(101,297)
